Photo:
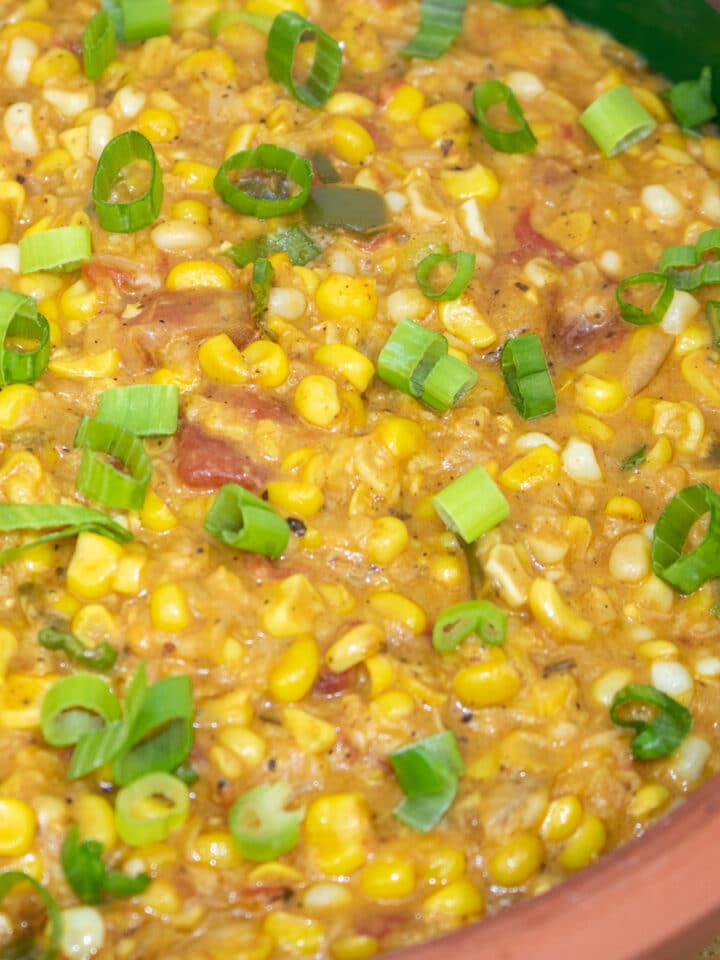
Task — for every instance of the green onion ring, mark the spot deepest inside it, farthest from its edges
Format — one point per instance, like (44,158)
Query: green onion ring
(262,829)
(462,620)
(464,263)
(525,371)
(485,95)
(267,157)
(288,30)
(132,215)
(19,317)
(98,479)
(471,505)
(441,21)
(687,572)
(243,521)
(137,830)
(617,120)
(659,737)
(657,311)
(74,706)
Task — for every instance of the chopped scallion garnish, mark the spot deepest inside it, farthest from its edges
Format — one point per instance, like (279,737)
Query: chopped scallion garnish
(479,617)
(150,808)
(428,773)
(471,505)
(11,878)
(19,318)
(74,706)
(64,520)
(409,354)
(62,249)
(464,264)
(87,875)
(145,409)
(260,285)
(101,657)
(687,571)
(291,240)
(266,192)
(656,738)
(98,42)
(635,459)
(100,480)
(617,120)
(441,21)
(243,521)
(691,101)
(225,18)
(488,94)
(288,30)
(261,827)
(130,215)
(527,377)
(142,19)
(448,383)
(654,314)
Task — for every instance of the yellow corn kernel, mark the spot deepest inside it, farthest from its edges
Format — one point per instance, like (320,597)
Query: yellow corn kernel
(536,468)
(34,29)
(392,708)
(13,194)
(352,104)
(93,565)
(346,298)
(79,302)
(358,947)
(486,766)
(221,360)
(515,862)
(350,140)
(293,608)
(422,692)
(267,363)
(562,819)
(245,744)
(711,152)
(625,508)
(275,872)
(658,650)
(294,674)
(159,126)
(198,275)
(298,936)
(354,646)
(215,849)
(443,121)
(401,609)
(156,515)
(53,161)
(694,337)
(458,901)
(169,610)
(215,64)
(652,103)
(661,452)
(337,827)
(316,400)
(292,497)
(55,63)
(477,181)
(95,819)
(382,671)
(229,708)
(405,105)
(487,684)
(127,578)
(178,378)
(649,799)
(194,176)
(443,864)
(8,646)
(403,438)
(94,623)
(600,394)
(460,318)
(15,402)
(549,608)
(193,210)
(353,365)
(21,698)
(311,734)
(683,422)
(585,845)
(5,227)
(271,8)
(161,898)
(390,878)
(18,824)
(93,366)
(20,477)
(387,540)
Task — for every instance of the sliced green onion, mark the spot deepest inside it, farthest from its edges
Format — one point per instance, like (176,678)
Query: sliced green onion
(98,43)
(71,520)
(88,876)
(486,95)
(617,120)
(98,479)
(262,829)
(74,706)
(288,30)
(635,314)
(324,168)
(162,734)
(659,737)
(478,617)
(149,809)
(525,371)
(19,318)
(686,572)
(260,198)
(464,264)
(187,773)
(262,280)
(347,207)
(691,101)
(145,409)
(428,774)
(447,383)
(291,240)
(712,312)
(471,505)
(143,19)
(8,879)
(62,248)
(245,522)
(441,21)
(635,459)
(131,215)
(225,18)
(114,11)
(15,517)
(410,353)
(101,657)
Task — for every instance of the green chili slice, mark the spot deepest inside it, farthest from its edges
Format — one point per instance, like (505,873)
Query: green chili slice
(288,30)
(686,572)
(659,737)
(131,215)
(457,623)
(261,826)
(486,95)
(347,207)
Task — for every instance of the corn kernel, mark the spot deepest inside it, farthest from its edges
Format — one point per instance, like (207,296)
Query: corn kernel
(458,901)
(79,303)
(387,540)
(316,400)
(246,745)
(443,121)
(355,645)
(8,646)
(390,878)
(600,394)
(192,210)
(358,947)
(403,438)
(649,799)
(487,684)
(16,400)
(625,508)
(477,181)
(215,64)
(345,298)
(159,126)
(392,708)
(608,684)
(96,819)
(198,275)
(216,849)
(293,607)
(350,140)
(658,650)
(18,824)
(156,515)
(562,819)
(536,468)
(267,363)
(381,670)
(401,609)
(169,610)
(515,862)
(229,708)
(21,700)
(336,829)
(161,898)
(128,574)
(461,318)
(55,63)
(221,360)
(353,365)
(352,104)
(298,936)
(271,8)
(549,608)
(311,734)
(194,176)
(93,566)
(443,864)
(294,674)
(304,499)
(94,366)
(53,161)
(585,845)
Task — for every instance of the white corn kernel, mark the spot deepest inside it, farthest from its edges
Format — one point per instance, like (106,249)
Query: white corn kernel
(408,302)
(176,235)
(19,129)
(100,132)
(682,310)
(579,461)
(611,262)
(340,262)
(688,763)
(474,223)
(708,667)
(630,558)
(10,257)
(528,441)
(525,85)
(70,102)
(83,932)
(130,101)
(671,678)
(287,302)
(710,202)
(661,203)
(23,52)
(395,200)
